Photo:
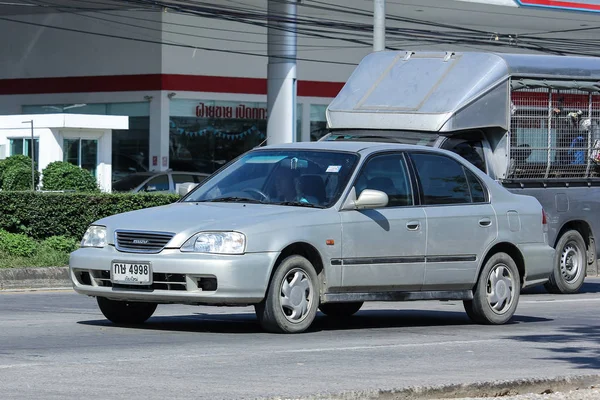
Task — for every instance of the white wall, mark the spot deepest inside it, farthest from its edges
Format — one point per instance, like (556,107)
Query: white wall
(36,51)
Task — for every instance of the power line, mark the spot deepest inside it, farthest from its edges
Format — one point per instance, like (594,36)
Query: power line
(164,43)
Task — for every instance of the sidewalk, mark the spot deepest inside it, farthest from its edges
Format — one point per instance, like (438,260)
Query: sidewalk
(34,278)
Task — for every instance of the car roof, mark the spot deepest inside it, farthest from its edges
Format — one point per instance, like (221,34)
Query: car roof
(352,146)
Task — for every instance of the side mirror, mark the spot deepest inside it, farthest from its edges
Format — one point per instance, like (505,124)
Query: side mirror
(368,199)
(184,188)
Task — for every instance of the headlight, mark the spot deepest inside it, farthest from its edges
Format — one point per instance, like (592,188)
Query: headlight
(216,242)
(95,236)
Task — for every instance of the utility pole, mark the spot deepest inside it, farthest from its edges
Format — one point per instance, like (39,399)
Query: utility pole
(281,71)
(379,25)
(32,156)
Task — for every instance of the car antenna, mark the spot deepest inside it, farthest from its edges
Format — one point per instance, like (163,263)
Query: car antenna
(261,143)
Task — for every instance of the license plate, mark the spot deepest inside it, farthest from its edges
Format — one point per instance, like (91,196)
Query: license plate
(131,273)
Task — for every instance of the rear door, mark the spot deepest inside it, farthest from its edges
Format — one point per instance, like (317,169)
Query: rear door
(461,222)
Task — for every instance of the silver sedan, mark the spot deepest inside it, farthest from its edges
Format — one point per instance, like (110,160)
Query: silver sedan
(293,229)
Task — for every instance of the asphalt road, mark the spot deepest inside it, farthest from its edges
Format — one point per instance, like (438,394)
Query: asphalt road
(58,345)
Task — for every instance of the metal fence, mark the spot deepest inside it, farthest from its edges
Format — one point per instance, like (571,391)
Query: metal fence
(553,134)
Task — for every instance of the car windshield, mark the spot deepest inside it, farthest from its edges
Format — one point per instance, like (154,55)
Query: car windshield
(129,182)
(285,177)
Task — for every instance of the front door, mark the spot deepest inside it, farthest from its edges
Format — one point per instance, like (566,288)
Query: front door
(461,223)
(384,249)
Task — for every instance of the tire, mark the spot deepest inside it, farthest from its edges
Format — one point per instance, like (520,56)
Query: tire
(497,293)
(340,310)
(292,299)
(570,264)
(125,312)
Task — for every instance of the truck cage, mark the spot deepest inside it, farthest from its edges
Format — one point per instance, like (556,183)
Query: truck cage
(554,130)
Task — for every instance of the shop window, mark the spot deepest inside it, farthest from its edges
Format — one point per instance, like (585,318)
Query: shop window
(130,148)
(81,152)
(205,135)
(23,146)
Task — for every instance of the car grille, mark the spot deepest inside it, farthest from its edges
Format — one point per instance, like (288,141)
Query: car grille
(141,242)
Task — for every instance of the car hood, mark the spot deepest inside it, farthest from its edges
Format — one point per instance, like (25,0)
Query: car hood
(186,219)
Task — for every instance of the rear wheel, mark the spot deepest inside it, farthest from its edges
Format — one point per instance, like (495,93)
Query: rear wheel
(340,310)
(570,264)
(125,312)
(290,305)
(497,294)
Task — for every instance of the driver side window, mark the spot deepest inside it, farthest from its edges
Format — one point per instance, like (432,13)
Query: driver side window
(387,173)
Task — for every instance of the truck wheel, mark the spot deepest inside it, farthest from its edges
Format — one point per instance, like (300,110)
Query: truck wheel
(340,310)
(290,305)
(125,312)
(497,294)
(570,264)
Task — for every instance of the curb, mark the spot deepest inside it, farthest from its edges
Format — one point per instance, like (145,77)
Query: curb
(35,278)
(471,390)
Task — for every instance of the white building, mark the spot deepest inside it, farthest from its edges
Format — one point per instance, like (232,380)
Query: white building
(194,87)
(83,140)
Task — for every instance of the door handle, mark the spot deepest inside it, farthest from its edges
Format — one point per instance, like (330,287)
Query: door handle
(413,225)
(485,222)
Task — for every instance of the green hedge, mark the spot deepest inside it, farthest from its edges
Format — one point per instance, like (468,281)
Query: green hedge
(15,173)
(61,175)
(42,215)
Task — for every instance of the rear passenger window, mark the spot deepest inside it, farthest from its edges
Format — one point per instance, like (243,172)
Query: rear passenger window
(158,184)
(387,173)
(443,179)
(478,193)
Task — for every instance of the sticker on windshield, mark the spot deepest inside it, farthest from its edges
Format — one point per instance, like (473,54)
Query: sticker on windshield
(334,168)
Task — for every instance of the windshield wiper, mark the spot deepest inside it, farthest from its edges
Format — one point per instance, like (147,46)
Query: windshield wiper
(297,203)
(233,200)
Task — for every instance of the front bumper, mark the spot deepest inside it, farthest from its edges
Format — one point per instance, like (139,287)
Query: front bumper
(184,278)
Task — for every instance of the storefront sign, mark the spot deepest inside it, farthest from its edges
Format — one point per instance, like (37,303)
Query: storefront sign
(240,111)
(581,5)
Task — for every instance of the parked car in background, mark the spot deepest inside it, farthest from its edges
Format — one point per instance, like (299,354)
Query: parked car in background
(295,228)
(164,182)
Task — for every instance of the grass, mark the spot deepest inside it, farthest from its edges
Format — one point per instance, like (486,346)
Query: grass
(43,257)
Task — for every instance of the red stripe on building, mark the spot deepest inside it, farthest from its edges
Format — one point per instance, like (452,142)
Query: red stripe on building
(153,82)
(561,4)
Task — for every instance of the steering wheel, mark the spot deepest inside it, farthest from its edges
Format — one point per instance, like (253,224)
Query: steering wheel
(263,196)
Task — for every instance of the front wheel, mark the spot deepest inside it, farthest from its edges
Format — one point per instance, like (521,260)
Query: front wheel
(570,264)
(290,305)
(125,312)
(497,294)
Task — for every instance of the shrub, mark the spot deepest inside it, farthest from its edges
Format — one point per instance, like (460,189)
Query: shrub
(18,177)
(41,215)
(17,245)
(15,161)
(61,175)
(61,244)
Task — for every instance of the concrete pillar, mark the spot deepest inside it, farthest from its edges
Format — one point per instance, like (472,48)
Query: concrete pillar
(379,25)
(159,131)
(281,72)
